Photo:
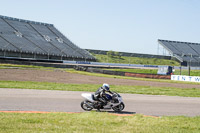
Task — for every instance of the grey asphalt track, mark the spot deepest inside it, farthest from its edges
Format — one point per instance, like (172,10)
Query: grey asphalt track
(69,101)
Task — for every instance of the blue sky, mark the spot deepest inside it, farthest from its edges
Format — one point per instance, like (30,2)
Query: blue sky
(119,25)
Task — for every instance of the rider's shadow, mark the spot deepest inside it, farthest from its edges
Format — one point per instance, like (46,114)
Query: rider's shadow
(122,112)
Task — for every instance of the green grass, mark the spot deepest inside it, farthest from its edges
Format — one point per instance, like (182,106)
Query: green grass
(11,66)
(93,122)
(135,60)
(150,90)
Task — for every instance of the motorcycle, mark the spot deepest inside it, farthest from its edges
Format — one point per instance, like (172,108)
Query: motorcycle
(114,102)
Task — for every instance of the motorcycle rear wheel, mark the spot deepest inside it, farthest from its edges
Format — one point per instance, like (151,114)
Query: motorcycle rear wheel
(119,108)
(85,107)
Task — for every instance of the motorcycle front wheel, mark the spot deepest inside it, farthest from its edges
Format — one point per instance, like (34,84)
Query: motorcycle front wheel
(119,107)
(85,107)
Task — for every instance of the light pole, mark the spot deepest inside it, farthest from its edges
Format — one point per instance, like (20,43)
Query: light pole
(189,64)
(180,63)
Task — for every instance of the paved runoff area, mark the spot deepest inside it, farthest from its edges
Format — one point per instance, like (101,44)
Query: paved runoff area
(69,101)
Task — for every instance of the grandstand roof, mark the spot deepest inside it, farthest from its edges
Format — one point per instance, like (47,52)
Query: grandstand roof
(184,51)
(24,36)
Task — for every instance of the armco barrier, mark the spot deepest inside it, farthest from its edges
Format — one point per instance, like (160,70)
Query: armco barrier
(153,76)
(95,70)
(139,75)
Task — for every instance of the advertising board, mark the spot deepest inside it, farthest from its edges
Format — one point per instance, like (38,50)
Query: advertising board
(185,78)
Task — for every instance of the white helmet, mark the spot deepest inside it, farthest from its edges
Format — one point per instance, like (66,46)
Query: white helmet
(106,87)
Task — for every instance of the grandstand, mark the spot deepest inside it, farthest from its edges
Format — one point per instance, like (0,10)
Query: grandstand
(35,40)
(186,52)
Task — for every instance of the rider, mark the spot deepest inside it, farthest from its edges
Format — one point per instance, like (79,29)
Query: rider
(100,94)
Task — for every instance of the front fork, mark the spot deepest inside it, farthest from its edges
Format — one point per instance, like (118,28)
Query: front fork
(85,102)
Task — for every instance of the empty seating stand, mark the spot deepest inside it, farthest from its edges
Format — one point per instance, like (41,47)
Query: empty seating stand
(186,52)
(30,39)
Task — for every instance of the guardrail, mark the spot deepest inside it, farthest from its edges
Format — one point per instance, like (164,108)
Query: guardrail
(123,65)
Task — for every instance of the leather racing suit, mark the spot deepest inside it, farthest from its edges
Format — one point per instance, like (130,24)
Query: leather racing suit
(100,95)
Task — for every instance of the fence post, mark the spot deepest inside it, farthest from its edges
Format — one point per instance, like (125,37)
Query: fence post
(189,69)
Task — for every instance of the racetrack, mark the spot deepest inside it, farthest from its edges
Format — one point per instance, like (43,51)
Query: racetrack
(68,101)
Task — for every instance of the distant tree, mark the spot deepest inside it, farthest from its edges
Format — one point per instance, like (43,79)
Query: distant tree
(118,55)
(111,54)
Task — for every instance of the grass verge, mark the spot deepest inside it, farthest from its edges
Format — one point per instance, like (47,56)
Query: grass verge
(169,91)
(91,122)
(11,66)
(135,60)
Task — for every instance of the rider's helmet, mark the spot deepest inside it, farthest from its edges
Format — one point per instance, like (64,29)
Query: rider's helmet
(106,87)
